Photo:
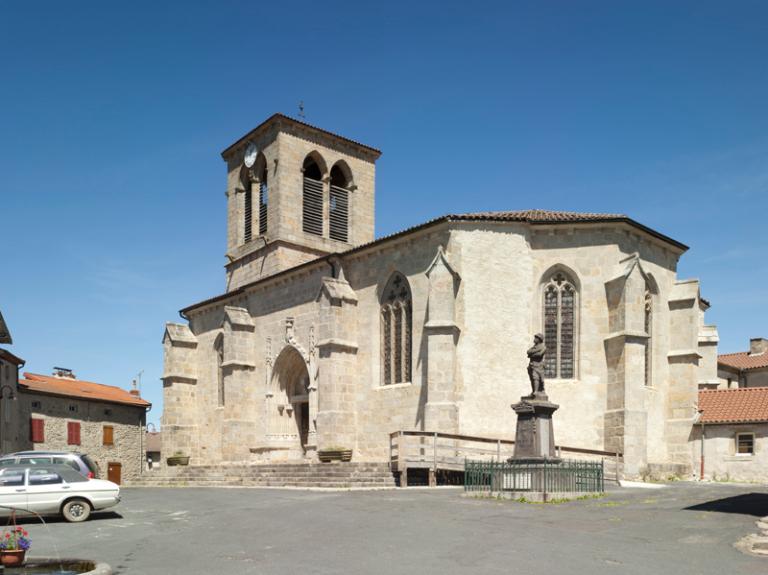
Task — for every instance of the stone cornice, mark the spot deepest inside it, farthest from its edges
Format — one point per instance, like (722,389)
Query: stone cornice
(627,335)
(338,344)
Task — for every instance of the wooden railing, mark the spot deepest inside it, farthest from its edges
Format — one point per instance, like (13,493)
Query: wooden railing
(436,451)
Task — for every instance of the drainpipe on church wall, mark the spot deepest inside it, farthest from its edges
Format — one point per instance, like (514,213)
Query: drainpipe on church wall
(703,437)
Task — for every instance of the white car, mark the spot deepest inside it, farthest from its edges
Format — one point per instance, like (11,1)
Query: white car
(53,490)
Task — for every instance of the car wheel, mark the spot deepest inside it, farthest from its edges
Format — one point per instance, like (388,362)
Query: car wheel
(76,510)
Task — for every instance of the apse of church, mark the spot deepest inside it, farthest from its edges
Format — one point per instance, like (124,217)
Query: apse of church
(326,337)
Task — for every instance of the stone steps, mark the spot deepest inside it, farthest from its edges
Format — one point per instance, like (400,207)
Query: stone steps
(329,475)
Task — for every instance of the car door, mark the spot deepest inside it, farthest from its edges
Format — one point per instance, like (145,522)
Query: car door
(13,490)
(45,490)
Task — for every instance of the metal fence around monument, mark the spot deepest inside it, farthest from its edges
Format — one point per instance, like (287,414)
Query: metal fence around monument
(564,476)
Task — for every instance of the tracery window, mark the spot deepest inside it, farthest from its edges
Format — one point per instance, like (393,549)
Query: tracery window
(560,327)
(219,348)
(396,331)
(648,306)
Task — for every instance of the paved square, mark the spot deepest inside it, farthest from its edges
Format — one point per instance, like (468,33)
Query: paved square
(677,529)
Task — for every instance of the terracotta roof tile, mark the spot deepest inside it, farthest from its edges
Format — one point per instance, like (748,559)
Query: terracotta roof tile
(741,405)
(80,389)
(540,216)
(743,360)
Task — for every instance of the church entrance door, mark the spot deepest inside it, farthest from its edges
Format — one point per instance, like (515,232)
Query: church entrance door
(288,421)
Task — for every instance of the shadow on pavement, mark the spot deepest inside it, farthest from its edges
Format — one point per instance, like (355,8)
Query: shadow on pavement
(95,516)
(748,504)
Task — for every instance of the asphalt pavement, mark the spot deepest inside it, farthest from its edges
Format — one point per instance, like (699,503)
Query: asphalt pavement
(683,528)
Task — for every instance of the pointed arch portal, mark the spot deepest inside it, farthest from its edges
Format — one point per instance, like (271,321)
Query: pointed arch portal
(288,402)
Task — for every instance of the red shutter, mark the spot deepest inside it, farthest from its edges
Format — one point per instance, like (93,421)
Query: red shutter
(73,432)
(36,430)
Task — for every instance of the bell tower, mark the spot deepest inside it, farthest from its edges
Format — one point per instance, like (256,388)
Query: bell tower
(294,193)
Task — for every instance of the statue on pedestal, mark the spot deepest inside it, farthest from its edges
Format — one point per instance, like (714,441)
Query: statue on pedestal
(535,440)
(536,366)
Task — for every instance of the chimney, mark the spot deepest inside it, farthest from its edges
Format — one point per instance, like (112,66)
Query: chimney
(134,391)
(63,372)
(758,345)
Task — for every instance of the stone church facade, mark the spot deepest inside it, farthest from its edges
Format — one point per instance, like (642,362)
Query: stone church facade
(327,337)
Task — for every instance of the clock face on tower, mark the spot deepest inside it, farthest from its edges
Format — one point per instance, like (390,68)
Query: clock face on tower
(250,155)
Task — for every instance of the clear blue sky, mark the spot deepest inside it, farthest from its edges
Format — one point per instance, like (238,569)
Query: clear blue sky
(113,115)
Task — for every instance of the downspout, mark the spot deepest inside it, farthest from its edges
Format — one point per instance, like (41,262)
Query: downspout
(703,437)
(142,433)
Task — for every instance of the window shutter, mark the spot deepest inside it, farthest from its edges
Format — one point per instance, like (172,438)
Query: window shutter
(73,432)
(109,435)
(248,214)
(36,430)
(313,207)
(263,201)
(339,214)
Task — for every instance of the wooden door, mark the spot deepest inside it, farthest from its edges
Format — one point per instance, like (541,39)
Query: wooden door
(114,471)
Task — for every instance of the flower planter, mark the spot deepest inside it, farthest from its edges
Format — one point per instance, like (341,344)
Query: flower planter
(328,455)
(12,558)
(178,460)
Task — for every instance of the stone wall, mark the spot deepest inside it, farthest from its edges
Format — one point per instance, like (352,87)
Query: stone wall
(127,421)
(9,376)
(285,245)
(476,301)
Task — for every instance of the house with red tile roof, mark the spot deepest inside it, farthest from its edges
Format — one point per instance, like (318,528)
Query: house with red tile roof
(744,368)
(62,413)
(731,435)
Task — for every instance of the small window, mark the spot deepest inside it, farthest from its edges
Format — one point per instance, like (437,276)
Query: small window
(73,433)
(745,444)
(107,412)
(109,435)
(73,408)
(36,430)
(36,405)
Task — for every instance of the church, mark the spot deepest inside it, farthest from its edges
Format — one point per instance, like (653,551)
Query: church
(328,337)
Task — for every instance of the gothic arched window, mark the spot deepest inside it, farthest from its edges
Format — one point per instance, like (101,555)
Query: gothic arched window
(396,322)
(312,197)
(219,349)
(648,307)
(560,308)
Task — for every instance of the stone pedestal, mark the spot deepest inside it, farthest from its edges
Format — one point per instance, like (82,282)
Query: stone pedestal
(535,438)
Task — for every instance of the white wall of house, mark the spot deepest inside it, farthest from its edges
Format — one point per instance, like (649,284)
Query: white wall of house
(721,460)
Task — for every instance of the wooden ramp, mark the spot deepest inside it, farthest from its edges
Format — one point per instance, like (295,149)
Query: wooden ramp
(446,452)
